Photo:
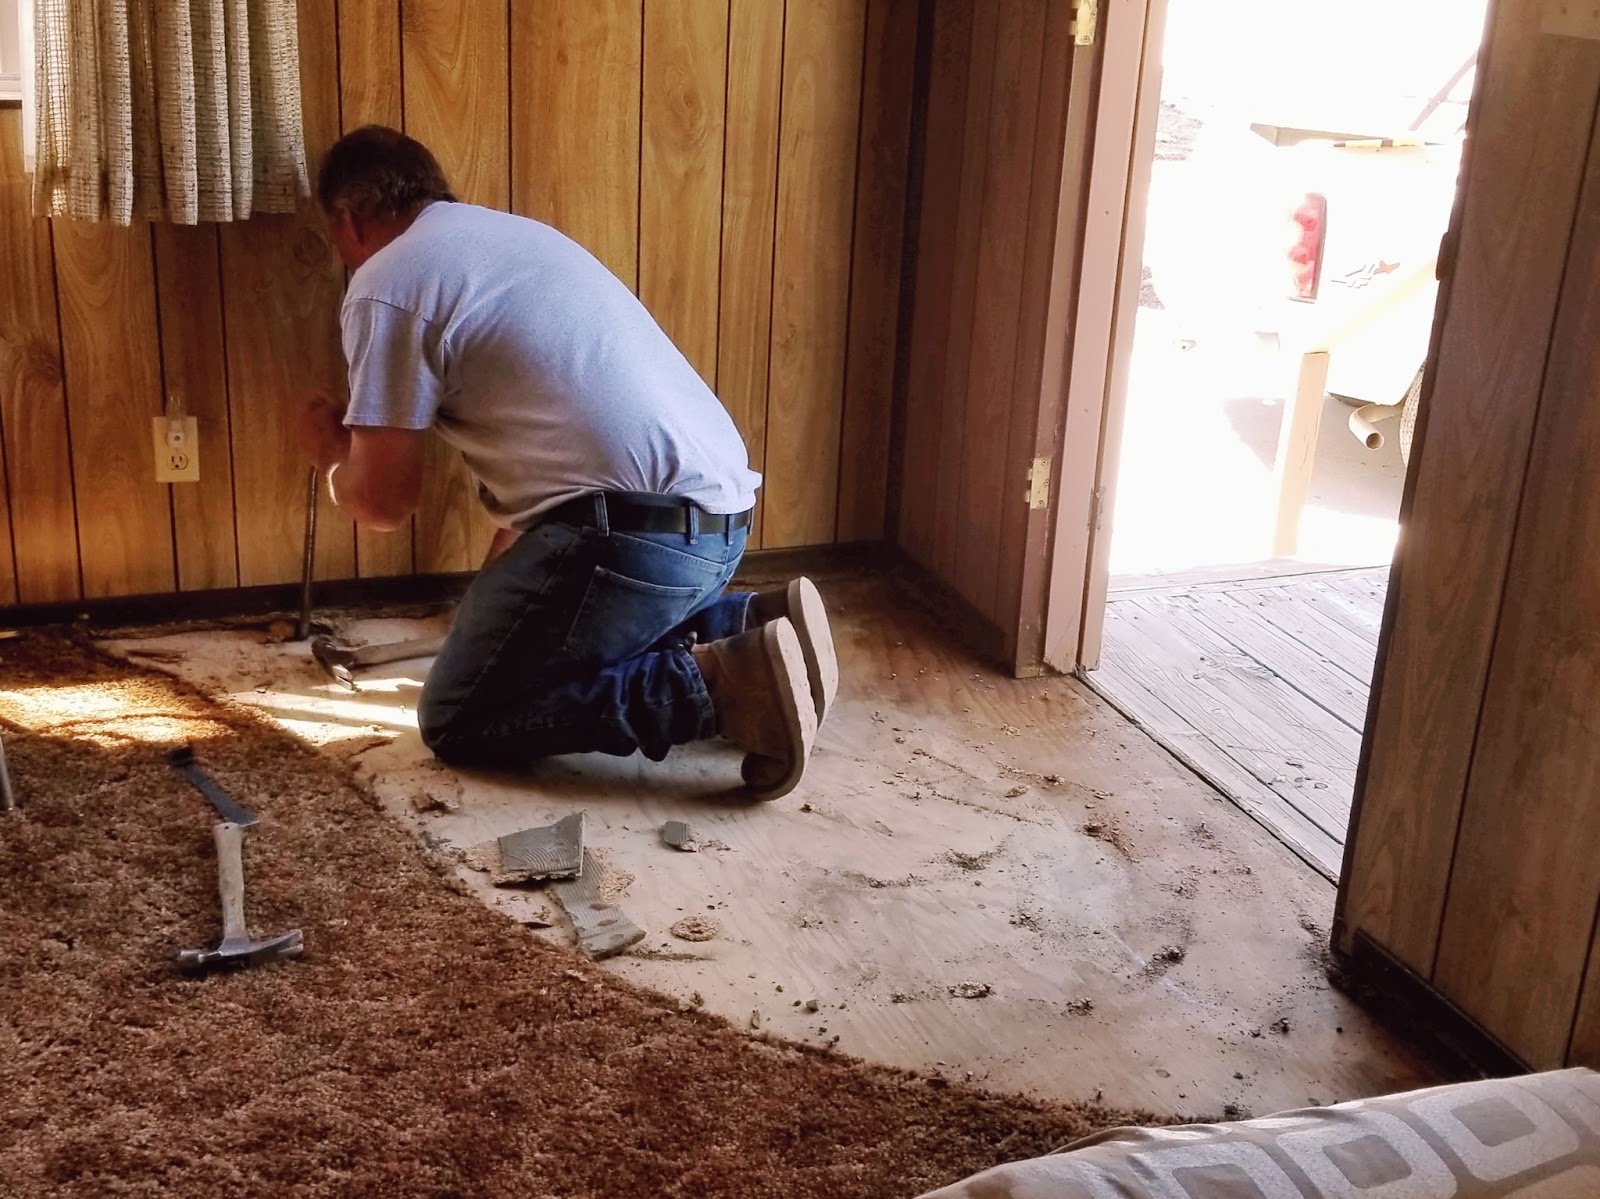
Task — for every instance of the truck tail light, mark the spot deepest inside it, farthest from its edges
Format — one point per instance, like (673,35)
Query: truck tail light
(1305,255)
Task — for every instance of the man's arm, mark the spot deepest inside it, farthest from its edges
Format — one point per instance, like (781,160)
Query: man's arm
(374,473)
(380,481)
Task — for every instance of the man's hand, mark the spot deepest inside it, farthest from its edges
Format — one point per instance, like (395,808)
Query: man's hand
(323,435)
(503,539)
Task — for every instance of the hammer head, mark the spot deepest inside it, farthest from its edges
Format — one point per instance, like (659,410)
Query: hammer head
(236,953)
(335,660)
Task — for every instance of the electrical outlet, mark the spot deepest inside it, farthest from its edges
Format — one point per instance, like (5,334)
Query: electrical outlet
(177,445)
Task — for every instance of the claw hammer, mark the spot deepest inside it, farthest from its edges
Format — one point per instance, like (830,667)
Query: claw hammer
(237,948)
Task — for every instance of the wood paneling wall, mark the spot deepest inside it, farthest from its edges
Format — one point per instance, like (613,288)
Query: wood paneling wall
(1474,860)
(987,346)
(740,163)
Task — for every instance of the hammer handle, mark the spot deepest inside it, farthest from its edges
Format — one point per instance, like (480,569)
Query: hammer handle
(230,878)
(203,783)
(397,651)
(302,628)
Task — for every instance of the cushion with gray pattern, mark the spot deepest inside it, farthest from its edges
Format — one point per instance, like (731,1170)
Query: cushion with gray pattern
(1535,1137)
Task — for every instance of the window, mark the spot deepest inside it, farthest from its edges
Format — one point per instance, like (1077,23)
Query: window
(10,50)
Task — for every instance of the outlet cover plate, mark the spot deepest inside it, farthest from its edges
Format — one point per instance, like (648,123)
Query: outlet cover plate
(177,446)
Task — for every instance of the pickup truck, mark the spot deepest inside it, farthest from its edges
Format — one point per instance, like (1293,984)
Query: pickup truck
(1289,233)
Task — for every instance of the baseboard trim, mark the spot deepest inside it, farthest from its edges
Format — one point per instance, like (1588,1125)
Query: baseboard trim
(277,599)
(946,606)
(911,580)
(1407,1005)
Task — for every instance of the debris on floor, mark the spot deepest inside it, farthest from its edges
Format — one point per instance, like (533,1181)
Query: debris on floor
(1111,834)
(535,854)
(695,928)
(480,857)
(141,655)
(435,799)
(279,631)
(525,907)
(603,931)
(680,835)
(971,990)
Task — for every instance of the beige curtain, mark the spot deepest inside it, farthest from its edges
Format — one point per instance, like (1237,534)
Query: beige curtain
(183,110)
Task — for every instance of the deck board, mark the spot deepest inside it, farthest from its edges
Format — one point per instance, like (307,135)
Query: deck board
(1260,686)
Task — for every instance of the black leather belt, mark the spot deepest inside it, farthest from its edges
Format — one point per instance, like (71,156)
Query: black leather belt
(635,512)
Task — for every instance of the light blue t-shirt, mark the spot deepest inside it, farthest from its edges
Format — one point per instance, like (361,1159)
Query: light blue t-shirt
(525,353)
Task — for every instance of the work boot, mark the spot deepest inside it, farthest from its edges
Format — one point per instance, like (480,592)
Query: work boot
(759,695)
(802,603)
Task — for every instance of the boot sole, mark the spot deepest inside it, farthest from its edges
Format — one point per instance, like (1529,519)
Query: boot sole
(786,658)
(810,618)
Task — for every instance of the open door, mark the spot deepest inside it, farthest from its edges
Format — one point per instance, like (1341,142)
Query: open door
(1095,382)
(1030,137)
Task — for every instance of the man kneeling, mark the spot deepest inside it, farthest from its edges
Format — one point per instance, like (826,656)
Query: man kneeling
(600,620)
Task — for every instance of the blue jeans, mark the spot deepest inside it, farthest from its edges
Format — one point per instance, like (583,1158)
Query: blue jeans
(576,639)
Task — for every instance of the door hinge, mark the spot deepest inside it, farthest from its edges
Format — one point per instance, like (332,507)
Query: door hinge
(1085,20)
(1039,484)
(1097,507)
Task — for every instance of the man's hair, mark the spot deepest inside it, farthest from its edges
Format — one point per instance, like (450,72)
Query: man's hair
(378,172)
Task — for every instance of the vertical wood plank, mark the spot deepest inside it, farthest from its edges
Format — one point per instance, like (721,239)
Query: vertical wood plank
(111,347)
(680,187)
(949,497)
(457,89)
(369,94)
(811,277)
(369,64)
(944,166)
(882,158)
(280,311)
(1536,100)
(987,493)
(189,291)
(1526,881)
(40,539)
(575,101)
(749,198)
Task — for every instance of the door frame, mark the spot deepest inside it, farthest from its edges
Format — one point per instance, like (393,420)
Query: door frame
(1107,296)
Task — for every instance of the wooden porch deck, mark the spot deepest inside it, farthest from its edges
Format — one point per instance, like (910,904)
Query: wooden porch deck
(1258,685)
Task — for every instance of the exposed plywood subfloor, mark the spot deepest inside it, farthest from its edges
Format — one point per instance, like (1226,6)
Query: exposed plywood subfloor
(1261,686)
(1142,937)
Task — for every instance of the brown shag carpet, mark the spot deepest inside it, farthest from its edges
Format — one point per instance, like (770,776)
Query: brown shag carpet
(424,1046)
